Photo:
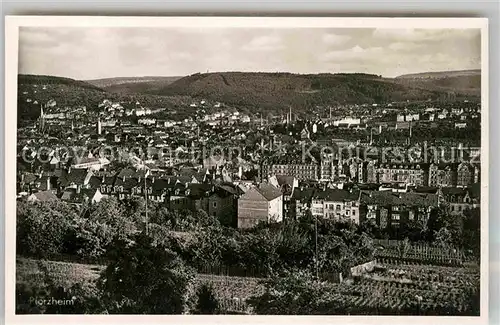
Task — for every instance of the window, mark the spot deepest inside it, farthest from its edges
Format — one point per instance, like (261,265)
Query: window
(347,212)
(338,206)
(353,212)
(215,204)
(395,217)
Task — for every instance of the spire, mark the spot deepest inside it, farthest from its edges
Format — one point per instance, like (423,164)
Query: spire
(99,127)
(42,118)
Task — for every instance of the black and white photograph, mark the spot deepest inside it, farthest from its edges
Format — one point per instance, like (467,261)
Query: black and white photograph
(197,167)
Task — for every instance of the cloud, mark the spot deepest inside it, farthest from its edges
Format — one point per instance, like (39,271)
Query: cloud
(335,39)
(355,53)
(404,46)
(263,43)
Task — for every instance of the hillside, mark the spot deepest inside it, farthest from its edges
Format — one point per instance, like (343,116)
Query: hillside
(30,79)
(34,90)
(440,74)
(277,91)
(132,84)
(467,82)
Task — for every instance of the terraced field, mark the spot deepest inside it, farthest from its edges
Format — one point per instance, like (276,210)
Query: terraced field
(231,291)
(391,289)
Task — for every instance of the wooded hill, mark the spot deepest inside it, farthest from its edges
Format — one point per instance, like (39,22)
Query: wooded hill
(276,91)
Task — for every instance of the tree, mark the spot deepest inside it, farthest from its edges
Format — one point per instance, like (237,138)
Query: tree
(443,238)
(144,279)
(103,222)
(207,303)
(471,238)
(297,293)
(45,229)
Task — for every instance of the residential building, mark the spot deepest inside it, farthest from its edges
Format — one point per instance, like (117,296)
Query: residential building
(260,204)
(465,174)
(391,209)
(457,200)
(402,173)
(290,167)
(336,204)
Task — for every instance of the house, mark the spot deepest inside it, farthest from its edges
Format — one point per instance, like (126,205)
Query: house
(286,184)
(90,162)
(189,196)
(336,204)
(467,174)
(260,204)
(457,200)
(389,209)
(81,196)
(222,204)
(74,178)
(402,173)
(300,202)
(442,175)
(302,170)
(42,196)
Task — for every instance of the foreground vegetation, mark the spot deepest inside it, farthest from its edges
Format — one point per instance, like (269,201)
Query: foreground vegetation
(209,268)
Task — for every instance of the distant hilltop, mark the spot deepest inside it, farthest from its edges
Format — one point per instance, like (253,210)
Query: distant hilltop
(254,92)
(441,74)
(117,82)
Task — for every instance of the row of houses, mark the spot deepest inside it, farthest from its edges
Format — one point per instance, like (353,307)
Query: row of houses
(246,204)
(355,170)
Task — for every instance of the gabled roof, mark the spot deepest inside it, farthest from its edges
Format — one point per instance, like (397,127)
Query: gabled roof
(128,172)
(95,182)
(285,179)
(426,189)
(304,194)
(76,176)
(268,191)
(335,195)
(391,198)
(44,196)
(86,160)
(448,191)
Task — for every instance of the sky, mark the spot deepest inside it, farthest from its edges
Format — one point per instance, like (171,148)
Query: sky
(92,53)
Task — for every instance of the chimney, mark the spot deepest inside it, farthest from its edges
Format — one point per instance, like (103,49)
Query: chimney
(48,183)
(123,178)
(78,189)
(69,169)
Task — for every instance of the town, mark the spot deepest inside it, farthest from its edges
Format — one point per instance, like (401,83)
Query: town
(247,169)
